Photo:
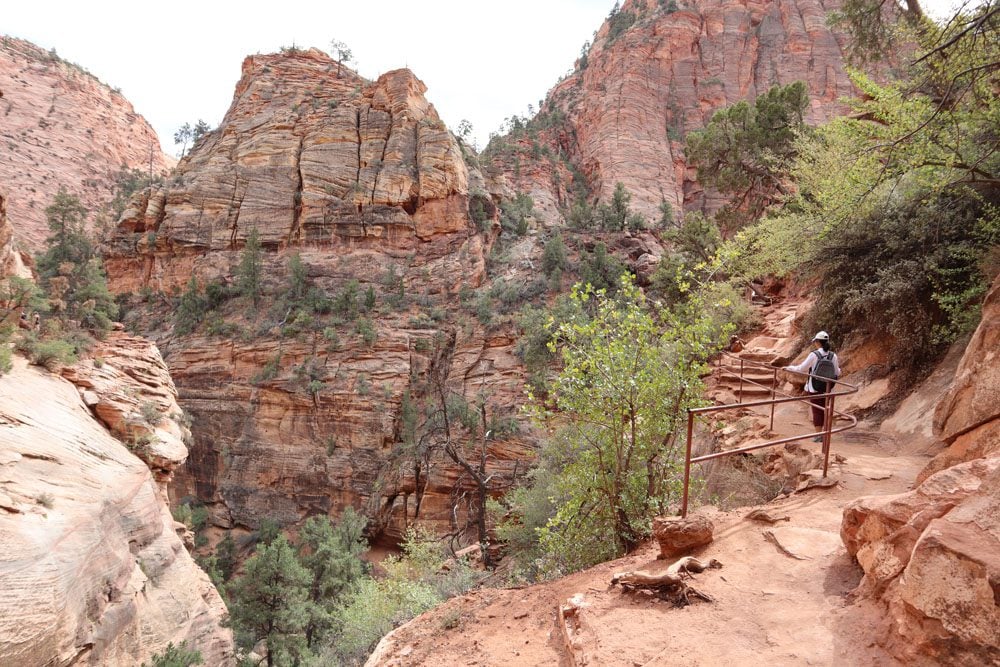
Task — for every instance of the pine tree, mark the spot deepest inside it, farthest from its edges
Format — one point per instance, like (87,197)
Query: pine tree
(332,555)
(270,602)
(70,270)
(249,274)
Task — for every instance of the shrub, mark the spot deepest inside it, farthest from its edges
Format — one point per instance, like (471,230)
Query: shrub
(554,255)
(514,214)
(268,371)
(366,329)
(50,353)
(175,656)
(150,412)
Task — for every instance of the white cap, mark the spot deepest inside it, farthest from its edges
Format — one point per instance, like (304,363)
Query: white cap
(822,335)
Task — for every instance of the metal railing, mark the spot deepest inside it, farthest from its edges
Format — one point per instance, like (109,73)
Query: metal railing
(829,412)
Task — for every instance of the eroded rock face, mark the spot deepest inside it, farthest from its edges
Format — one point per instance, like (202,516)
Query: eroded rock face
(968,417)
(933,555)
(363,182)
(92,569)
(11,261)
(623,117)
(62,127)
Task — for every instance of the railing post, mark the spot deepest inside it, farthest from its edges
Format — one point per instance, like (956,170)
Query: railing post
(687,464)
(827,426)
(774,389)
(741,381)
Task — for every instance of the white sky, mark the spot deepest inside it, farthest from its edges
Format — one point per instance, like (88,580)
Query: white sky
(179,61)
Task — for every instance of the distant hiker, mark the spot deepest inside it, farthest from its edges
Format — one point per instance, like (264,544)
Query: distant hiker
(736,344)
(38,322)
(821,363)
(23,322)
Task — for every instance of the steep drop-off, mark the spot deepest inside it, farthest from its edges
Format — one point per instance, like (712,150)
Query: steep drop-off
(365,183)
(93,569)
(656,71)
(61,127)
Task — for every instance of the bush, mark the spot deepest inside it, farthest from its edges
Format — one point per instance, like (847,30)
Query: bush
(150,412)
(554,256)
(175,656)
(514,214)
(50,353)
(909,273)
(268,371)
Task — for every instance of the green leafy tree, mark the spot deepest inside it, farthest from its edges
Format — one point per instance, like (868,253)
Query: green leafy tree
(746,151)
(628,375)
(270,602)
(250,272)
(331,553)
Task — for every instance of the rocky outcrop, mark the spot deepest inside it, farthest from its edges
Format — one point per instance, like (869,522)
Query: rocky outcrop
(62,127)
(967,418)
(932,555)
(657,71)
(364,183)
(93,570)
(11,261)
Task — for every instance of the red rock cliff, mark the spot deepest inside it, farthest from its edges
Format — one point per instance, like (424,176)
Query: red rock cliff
(624,115)
(62,127)
(363,181)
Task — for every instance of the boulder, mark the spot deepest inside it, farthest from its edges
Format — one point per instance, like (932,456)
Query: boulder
(678,536)
(932,556)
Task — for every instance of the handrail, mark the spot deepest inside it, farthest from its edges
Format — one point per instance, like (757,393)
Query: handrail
(828,414)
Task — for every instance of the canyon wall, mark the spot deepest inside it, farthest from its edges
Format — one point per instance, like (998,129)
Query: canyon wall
(656,71)
(62,128)
(364,183)
(932,555)
(94,570)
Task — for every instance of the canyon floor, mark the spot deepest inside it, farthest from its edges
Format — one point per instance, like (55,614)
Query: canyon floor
(779,599)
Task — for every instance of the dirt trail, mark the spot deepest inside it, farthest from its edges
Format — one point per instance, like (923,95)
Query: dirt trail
(779,600)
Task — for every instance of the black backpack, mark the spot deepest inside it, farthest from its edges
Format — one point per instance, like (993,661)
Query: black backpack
(823,370)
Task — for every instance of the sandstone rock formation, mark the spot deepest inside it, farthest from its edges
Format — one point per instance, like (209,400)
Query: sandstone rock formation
(932,555)
(62,127)
(968,417)
(623,113)
(678,536)
(93,570)
(11,261)
(363,181)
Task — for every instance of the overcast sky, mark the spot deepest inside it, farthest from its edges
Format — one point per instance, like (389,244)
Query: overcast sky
(179,61)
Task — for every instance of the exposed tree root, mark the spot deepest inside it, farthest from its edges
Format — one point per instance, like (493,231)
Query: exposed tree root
(668,585)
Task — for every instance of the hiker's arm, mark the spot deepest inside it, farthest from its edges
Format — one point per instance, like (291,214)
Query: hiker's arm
(805,366)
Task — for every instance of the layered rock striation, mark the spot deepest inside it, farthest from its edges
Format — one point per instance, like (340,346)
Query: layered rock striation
(297,413)
(656,71)
(93,569)
(63,128)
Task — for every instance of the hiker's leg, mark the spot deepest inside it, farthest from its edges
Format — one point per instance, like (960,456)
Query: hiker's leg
(817,411)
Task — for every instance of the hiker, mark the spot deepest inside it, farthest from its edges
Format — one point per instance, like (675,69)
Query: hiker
(38,322)
(821,363)
(23,322)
